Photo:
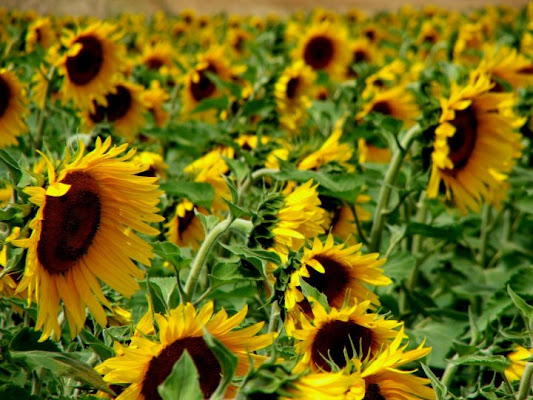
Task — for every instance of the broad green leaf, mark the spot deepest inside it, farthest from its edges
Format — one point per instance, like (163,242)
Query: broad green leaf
(256,106)
(450,232)
(217,103)
(525,309)
(183,383)
(15,172)
(254,256)
(232,272)
(167,286)
(13,392)
(309,291)
(103,351)
(199,193)
(227,360)
(440,389)
(168,251)
(496,363)
(62,365)
(525,204)
(238,167)
(28,339)
(208,221)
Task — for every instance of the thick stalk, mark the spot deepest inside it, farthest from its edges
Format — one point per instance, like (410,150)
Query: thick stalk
(485,230)
(274,317)
(525,382)
(386,188)
(421,216)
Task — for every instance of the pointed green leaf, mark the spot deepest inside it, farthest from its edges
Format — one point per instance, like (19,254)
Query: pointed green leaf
(183,383)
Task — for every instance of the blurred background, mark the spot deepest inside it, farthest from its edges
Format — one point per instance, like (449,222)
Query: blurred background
(101,8)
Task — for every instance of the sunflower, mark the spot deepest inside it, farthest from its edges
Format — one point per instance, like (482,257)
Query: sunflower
(372,154)
(90,64)
(322,386)
(337,271)
(7,283)
(12,108)
(198,86)
(362,52)
(153,164)
(300,218)
(84,231)
(518,360)
(330,151)
(184,228)
(123,107)
(209,169)
(40,32)
(158,55)
(146,363)
(505,63)
(330,334)
(324,47)
(154,98)
(383,379)
(475,145)
(293,92)
(341,220)
(396,102)
(469,42)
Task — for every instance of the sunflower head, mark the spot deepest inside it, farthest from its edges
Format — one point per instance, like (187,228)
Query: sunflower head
(325,48)
(185,228)
(12,108)
(93,58)
(85,232)
(518,360)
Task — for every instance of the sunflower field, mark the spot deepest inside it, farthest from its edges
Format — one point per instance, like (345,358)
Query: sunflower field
(318,206)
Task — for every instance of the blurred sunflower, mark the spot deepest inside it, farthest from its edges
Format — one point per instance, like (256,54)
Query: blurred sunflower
(40,32)
(184,228)
(396,102)
(158,55)
(198,86)
(89,66)
(341,219)
(475,143)
(505,63)
(84,231)
(337,271)
(293,92)
(362,52)
(324,47)
(146,363)
(154,98)
(329,335)
(13,108)
(7,283)
(372,154)
(518,360)
(153,163)
(123,107)
(383,379)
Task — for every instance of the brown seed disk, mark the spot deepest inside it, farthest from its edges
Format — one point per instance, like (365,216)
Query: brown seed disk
(204,87)
(5,94)
(161,366)
(334,337)
(319,52)
(463,141)
(292,87)
(70,223)
(85,66)
(332,282)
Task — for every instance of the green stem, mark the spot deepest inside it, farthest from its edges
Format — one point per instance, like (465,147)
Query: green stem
(485,230)
(202,255)
(507,225)
(449,372)
(385,192)
(421,217)
(274,317)
(254,177)
(41,119)
(525,382)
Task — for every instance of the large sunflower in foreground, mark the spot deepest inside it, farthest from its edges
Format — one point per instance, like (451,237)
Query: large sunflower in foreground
(322,386)
(329,335)
(84,231)
(325,47)
(90,64)
(12,108)
(385,381)
(337,271)
(146,363)
(475,143)
(124,107)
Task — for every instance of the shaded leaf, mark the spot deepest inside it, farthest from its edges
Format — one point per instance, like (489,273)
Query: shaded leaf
(183,383)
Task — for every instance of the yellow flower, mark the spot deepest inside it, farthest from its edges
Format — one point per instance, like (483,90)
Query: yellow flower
(184,228)
(518,363)
(508,65)
(7,283)
(475,143)
(396,102)
(152,162)
(90,64)
(84,231)
(145,364)
(40,32)
(322,386)
(154,98)
(12,108)
(330,334)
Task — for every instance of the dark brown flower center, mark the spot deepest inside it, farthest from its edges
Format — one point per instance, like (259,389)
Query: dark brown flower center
(336,337)
(5,94)
(332,282)
(154,63)
(118,105)
(360,56)
(161,366)
(319,52)
(85,66)
(370,34)
(292,87)
(382,107)
(204,87)
(463,141)
(70,223)
(372,392)
(184,222)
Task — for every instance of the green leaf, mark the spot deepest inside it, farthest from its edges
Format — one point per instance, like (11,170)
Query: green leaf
(440,389)
(167,286)
(525,309)
(232,272)
(159,304)
(254,256)
(525,204)
(227,360)
(183,383)
(256,106)
(13,392)
(28,339)
(199,193)
(217,103)
(62,365)
(15,171)
(103,351)
(238,167)
(496,363)
(450,232)
(208,221)
(309,291)
(168,251)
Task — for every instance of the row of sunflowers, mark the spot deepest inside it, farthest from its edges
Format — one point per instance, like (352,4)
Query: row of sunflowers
(325,205)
